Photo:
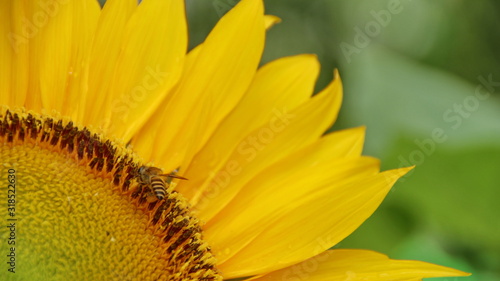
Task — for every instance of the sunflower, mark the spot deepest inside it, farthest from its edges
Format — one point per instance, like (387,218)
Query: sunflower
(103,117)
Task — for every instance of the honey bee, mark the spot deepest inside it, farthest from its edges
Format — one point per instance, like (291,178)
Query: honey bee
(155,180)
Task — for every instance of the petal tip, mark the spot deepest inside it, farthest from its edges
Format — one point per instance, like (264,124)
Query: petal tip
(336,74)
(271,20)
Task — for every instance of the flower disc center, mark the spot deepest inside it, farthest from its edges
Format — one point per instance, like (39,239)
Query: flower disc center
(80,213)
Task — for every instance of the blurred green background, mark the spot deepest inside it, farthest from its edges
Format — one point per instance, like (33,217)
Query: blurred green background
(411,72)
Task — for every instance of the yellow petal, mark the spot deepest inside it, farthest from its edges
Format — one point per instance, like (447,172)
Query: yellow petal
(148,140)
(233,78)
(103,57)
(27,27)
(148,66)
(23,34)
(270,20)
(358,265)
(286,132)
(85,18)
(348,142)
(54,73)
(216,80)
(330,214)
(293,182)
(283,83)
(54,63)
(6,52)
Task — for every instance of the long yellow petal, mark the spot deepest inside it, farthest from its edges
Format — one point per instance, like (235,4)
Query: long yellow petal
(106,47)
(58,71)
(283,83)
(6,52)
(209,90)
(54,64)
(328,216)
(286,132)
(148,66)
(359,265)
(85,18)
(148,140)
(281,189)
(21,37)
(53,74)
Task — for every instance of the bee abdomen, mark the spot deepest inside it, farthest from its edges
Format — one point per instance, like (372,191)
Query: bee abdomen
(159,187)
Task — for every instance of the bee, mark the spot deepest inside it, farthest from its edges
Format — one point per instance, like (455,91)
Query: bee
(155,180)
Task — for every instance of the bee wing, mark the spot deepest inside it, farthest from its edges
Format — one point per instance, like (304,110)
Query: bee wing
(173,176)
(153,170)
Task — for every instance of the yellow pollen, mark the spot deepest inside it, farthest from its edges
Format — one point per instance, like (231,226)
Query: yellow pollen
(81,213)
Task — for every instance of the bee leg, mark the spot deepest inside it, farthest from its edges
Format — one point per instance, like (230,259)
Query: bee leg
(138,191)
(142,199)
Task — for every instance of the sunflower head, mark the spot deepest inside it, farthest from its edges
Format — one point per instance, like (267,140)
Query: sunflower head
(75,188)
